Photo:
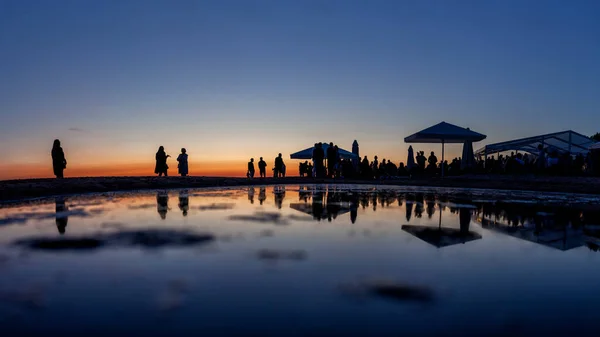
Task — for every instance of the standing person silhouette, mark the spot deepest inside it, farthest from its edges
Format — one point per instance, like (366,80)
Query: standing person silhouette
(59,163)
(250,173)
(279,166)
(262,167)
(161,162)
(183,163)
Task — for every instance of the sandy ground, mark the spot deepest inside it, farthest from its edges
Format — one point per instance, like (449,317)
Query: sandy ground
(12,190)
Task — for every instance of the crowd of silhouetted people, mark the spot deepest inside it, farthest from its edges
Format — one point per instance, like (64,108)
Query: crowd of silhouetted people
(327,161)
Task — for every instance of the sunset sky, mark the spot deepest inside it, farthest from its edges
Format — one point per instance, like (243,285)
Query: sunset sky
(230,80)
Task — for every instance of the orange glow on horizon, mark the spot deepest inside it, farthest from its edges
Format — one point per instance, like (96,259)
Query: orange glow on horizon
(210,169)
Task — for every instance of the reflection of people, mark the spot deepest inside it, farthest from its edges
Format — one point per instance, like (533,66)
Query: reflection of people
(59,163)
(464,215)
(279,192)
(61,216)
(251,194)
(162,204)
(262,195)
(184,202)
(317,205)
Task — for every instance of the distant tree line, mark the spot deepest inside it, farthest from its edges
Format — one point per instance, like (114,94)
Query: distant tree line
(596,137)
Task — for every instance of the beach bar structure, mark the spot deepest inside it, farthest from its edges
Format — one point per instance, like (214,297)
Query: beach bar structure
(563,142)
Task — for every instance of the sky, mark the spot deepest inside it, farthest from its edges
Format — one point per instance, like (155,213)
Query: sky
(234,79)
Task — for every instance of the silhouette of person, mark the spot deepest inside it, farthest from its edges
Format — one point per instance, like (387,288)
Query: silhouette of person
(409,208)
(161,162)
(331,160)
(279,192)
(183,163)
(318,157)
(279,166)
(162,204)
(59,163)
(250,173)
(262,167)
(251,194)
(432,161)
(464,215)
(184,202)
(262,195)
(61,216)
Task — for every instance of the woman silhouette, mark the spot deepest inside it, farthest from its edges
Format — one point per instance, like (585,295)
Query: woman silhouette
(161,162)
(59,163)
(183,163)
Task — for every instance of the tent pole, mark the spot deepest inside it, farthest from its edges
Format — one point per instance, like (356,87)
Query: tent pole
(443,158)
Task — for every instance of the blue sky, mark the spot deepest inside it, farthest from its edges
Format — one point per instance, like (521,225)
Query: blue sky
(229,78)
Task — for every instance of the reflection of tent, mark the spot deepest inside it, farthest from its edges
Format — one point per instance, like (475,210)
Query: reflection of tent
(444,133)
(562,238)
(443,236)
(307,153)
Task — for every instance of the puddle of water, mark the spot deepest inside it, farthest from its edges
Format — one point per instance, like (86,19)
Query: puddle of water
(301,260)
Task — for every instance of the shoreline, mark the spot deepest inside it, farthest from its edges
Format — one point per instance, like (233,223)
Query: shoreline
(18,190)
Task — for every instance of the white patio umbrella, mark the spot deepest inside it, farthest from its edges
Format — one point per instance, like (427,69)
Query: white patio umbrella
(444,133)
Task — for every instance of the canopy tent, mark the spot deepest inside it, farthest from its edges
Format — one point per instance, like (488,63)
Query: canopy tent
(595,146)
(563,142)
(307,153)
(444,133)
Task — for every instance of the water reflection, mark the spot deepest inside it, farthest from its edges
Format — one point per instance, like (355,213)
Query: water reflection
(162,204)
(251,194)
(279,192)
(62,217)
(184,202)
(262,195)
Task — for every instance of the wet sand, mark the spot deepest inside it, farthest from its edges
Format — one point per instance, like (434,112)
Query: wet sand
(13,190)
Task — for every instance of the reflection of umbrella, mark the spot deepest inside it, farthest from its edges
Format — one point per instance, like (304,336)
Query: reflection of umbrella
(410,162)
(409,207)
(468,158)
(309,209)
(442,236)
(444,133)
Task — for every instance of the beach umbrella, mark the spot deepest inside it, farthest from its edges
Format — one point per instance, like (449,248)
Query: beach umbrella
(444,133)
(307,153)
(468,158)
(410,162)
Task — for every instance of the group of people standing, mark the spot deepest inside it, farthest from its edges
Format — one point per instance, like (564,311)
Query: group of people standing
(278,168)
(161,167)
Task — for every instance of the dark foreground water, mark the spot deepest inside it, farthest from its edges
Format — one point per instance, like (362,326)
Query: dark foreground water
(301,261)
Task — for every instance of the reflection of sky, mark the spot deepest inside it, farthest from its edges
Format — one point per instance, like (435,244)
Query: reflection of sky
(235,292)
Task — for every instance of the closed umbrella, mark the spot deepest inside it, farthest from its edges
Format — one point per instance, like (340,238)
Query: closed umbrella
(468,158)
(410,162)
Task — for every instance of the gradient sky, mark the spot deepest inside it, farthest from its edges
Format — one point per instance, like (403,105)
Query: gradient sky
(233,79)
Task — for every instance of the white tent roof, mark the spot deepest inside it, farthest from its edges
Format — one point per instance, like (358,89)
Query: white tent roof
(595,146)
(563,142)
(444,133)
